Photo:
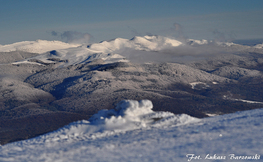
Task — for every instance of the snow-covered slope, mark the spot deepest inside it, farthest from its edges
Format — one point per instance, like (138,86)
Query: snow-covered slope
(197,42)
(109,51)
(141,49)
(133,132)
(235,72)
(259,46)
(81,80)
(128,115)
(39,46)
(146,48)
(147,43)
(20,91)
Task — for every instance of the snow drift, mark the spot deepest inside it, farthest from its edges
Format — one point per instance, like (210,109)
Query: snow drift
(128,115)
(231,137)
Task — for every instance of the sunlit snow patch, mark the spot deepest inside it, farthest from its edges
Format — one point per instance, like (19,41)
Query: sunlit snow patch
(197,42)
(199,85)
(38,46)
(259,46)
(248,101)
(109,51)
(241,100)
(128,115)
(208,114)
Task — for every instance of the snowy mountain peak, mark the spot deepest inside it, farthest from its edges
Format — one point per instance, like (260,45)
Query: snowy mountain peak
(38,46)
(155,43)
(116,50)
(260,46)
(109,51)
(197,42)
(147,43)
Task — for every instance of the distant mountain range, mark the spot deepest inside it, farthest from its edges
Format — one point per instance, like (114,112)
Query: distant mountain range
(45,85)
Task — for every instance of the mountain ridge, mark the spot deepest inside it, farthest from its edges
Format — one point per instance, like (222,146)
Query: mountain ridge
(75,83)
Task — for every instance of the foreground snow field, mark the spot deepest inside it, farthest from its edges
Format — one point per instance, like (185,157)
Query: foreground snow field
(133,132)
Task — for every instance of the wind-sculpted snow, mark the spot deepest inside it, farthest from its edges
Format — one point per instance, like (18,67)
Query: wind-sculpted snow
(128,115)
(231,137)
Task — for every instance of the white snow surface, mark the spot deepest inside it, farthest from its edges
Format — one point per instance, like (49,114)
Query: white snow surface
(38,46)
(133,132)
(197,42)
(116,50)
(109,51)
(147,43)
(259,46)
(201,84)
(241,100)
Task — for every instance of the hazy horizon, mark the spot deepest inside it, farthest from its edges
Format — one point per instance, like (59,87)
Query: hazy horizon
(94,21)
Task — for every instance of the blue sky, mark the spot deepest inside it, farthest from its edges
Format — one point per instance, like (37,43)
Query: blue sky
(107,19)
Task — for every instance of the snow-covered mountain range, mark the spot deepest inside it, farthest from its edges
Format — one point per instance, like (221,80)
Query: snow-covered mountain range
(110,51)
(38,46)
(45,85)
(71,54)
